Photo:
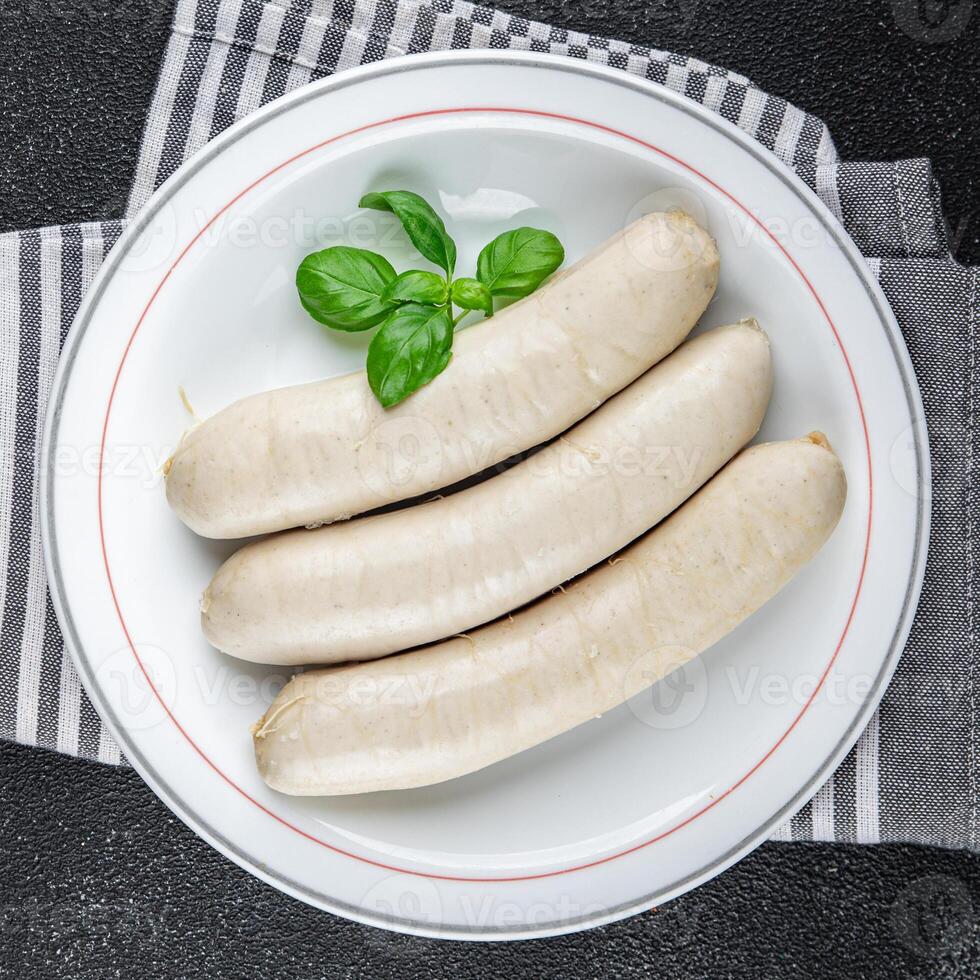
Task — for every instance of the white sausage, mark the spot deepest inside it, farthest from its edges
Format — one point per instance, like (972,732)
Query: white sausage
(452,708)
(366,588)
(321,452)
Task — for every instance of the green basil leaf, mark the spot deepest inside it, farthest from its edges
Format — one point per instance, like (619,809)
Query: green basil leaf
(417,286)
(423,226)
(413,345)
(342,287)
(469,294)
(517,262)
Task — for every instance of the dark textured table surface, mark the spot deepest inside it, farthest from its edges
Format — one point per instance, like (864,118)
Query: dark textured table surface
(98,879)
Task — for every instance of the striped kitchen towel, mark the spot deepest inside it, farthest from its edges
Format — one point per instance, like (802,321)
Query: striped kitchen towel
(913,774)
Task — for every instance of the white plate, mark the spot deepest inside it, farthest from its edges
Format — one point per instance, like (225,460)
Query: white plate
(624,812)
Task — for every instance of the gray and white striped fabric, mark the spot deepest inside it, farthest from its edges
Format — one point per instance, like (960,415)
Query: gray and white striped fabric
(913,774)
(43,276)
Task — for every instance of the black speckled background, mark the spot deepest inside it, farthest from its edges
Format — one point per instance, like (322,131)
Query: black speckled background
(98,879)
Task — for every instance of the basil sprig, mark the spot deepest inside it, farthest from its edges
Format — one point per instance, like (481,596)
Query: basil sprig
(471,294)
(355,289)
(413,345)
(343,287)
(422,225)
(417,286)
(517,262)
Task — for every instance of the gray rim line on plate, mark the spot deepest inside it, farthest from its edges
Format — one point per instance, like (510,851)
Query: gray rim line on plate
(424,62)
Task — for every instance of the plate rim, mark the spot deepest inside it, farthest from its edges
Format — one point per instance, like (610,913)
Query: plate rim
(168,795)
